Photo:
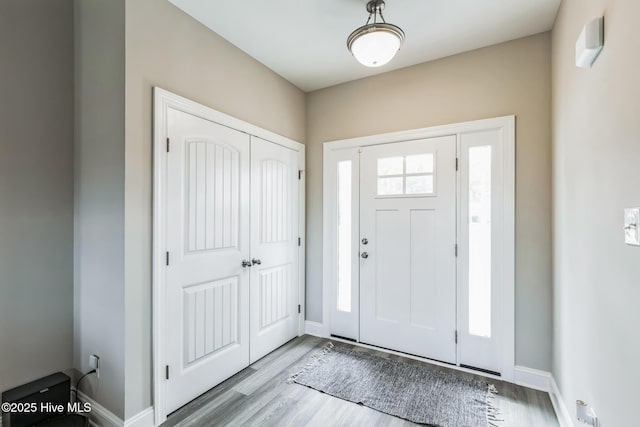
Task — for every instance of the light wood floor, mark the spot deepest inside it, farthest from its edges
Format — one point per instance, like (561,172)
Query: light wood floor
(259,395)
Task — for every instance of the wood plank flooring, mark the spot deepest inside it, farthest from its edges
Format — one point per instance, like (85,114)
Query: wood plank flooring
(259,395)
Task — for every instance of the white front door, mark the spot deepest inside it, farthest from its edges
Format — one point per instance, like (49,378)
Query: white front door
(407,247)
(274,246)
(207,287)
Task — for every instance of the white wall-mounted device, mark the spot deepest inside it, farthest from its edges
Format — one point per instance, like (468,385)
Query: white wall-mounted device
(585,414)
(590,43)
(632,226)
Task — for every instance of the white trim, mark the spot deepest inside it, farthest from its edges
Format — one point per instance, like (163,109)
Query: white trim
(508,273)
(166,99)
(316,329)
(532,378)
(99,415)
(162,101)
(328,241)
(102,417)
(302,227)
(142,419)
(509,249)
(562,412)
(430,132)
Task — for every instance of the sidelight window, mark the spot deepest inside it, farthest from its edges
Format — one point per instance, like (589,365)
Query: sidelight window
(479,223)
(344,235)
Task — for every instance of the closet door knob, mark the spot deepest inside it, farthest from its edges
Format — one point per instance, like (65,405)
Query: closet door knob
(364,255)
(246,263)
(256,261)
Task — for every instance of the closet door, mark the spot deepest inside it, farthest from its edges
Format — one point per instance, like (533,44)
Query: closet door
(206,292)
(274,246)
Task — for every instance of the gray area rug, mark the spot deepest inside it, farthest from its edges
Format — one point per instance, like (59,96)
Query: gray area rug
(416,393)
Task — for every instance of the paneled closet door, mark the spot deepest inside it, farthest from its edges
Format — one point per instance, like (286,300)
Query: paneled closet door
(274,246)
(207,286)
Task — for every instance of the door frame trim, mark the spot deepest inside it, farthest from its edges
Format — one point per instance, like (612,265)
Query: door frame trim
(162,101)
(507,123)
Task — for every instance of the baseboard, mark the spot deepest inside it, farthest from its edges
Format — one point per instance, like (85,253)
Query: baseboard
(532,378)
(142,419)
(562,412)
(102,417)
(316,329)
(99,415)
(544,381)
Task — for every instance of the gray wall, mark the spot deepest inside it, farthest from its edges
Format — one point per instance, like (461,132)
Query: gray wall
(167,48)
(99,197)
(596,150)
(509,78)
(36,189)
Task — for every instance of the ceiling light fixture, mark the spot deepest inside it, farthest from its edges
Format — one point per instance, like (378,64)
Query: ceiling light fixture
(373,45)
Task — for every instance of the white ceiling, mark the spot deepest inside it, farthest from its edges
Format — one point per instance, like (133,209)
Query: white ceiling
(305,41)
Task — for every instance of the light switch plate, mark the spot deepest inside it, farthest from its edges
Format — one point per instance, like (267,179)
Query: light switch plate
(632,226)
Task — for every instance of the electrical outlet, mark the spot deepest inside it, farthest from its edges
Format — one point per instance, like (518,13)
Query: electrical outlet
(94,363)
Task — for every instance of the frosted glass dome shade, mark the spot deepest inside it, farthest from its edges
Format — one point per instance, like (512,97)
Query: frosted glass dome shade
(375,45)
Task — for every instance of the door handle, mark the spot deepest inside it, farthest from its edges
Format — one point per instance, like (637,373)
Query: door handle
(246,263)
(364,255)
(256,261)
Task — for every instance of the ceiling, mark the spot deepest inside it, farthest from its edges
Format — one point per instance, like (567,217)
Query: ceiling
(304,41)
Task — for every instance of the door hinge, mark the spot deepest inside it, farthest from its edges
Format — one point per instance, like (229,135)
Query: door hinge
(166,372)
(167,258)
(299,174)
(456,163)
(456,337)
(168,143)
(456,249)
(299,241)
(299,309)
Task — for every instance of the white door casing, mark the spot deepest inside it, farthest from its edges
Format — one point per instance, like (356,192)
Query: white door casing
(207,288)
(491,354)
(408,218)
(197,273)
(274,246)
